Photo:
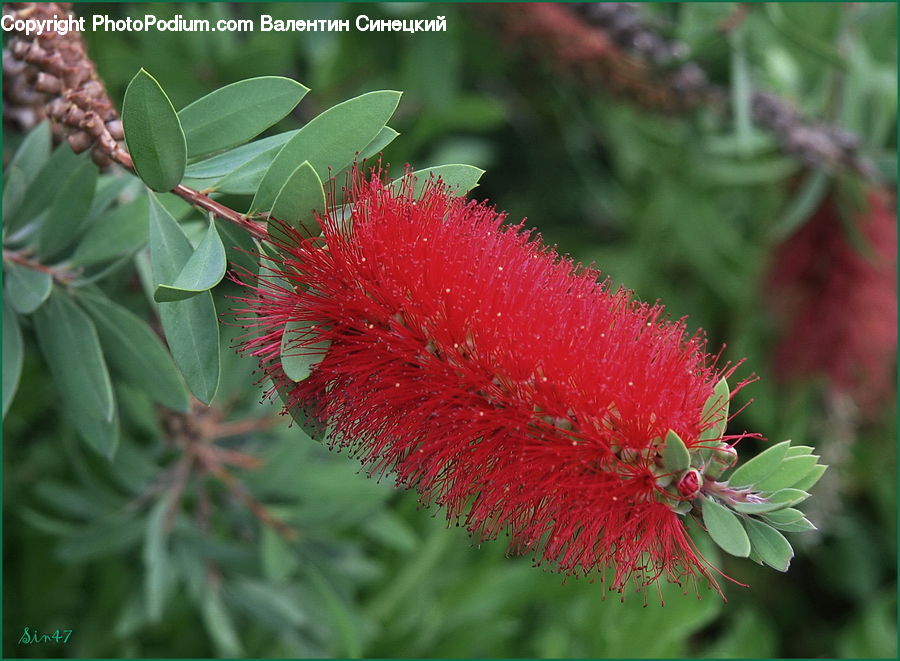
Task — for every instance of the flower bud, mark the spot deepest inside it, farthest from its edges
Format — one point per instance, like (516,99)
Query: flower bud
(689,484)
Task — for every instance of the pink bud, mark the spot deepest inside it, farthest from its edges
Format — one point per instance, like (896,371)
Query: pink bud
(689,484)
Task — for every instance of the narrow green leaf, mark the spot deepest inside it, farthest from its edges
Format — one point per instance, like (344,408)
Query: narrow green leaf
(676,457)
(725,529)
(271,603)
(219,626)
(157,571)
(296,361)
(277,558)
(136,352)
(769,544)
(233,114)
(14,189)
(457,177)
(331,139)
(298,200)
(12,355)
(809,480)
(204,270)
(112,536)
(220,165)
(153,133)
(26,288)
(379,142)
(71,348)
(789,515)
(791,471)
(779,500)
(760,467)
(52,175)
(190,326)
(715,412)
(801,525)
(117,233)
(69,210)
(33,153)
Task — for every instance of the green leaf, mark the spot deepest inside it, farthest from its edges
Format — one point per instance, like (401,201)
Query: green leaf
(204,270)
(136,352)
(779,500)
(715,412)
(117,233)
(110,536)
(34,152)
(26,288)
(233,114)
(769,544)
(458,178)
(760,467)
(300,197)
(219,626)
(190,326)
(67,213)
(676,457)
(270,603)
(725,529)
(298,362)
(153,133)
(157,569)
(379,142)
(791,471)
(331,139)
(12,355)
(55,171)
(801,525)
(278,559)
(798,450)
(71,348)
(14,189)
(220,165)
(809,480)
(789,515)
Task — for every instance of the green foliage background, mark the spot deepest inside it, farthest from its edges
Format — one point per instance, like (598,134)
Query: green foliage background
(646,197)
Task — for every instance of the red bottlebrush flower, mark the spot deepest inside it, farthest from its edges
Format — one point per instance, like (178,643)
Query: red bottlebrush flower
(501,380)
(838,304)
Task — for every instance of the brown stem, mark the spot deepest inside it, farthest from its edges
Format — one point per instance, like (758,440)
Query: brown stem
(196,198)
(62,276)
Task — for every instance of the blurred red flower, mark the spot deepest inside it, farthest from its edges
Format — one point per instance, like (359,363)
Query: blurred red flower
(838,303)
(498,378)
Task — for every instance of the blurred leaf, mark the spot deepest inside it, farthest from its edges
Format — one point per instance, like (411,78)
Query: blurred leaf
(458,178)
(204,270)
(296,361)
(279,560)
(51,177)
(153,133)
(191,326)
(110,537)
(72,352)
(769,544)
(157,569)
(802,205)
(725,529)
(298,200)
(346,630)
(219,625)
(33,153)
(26,288)
(117,233)
(740,89)
(135,351)
(233,114)
(790,471)
(872,631)
(14,189)
(12,356)
(269,602)
(676,457)
(760,467)
(331,139)
(69,209)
